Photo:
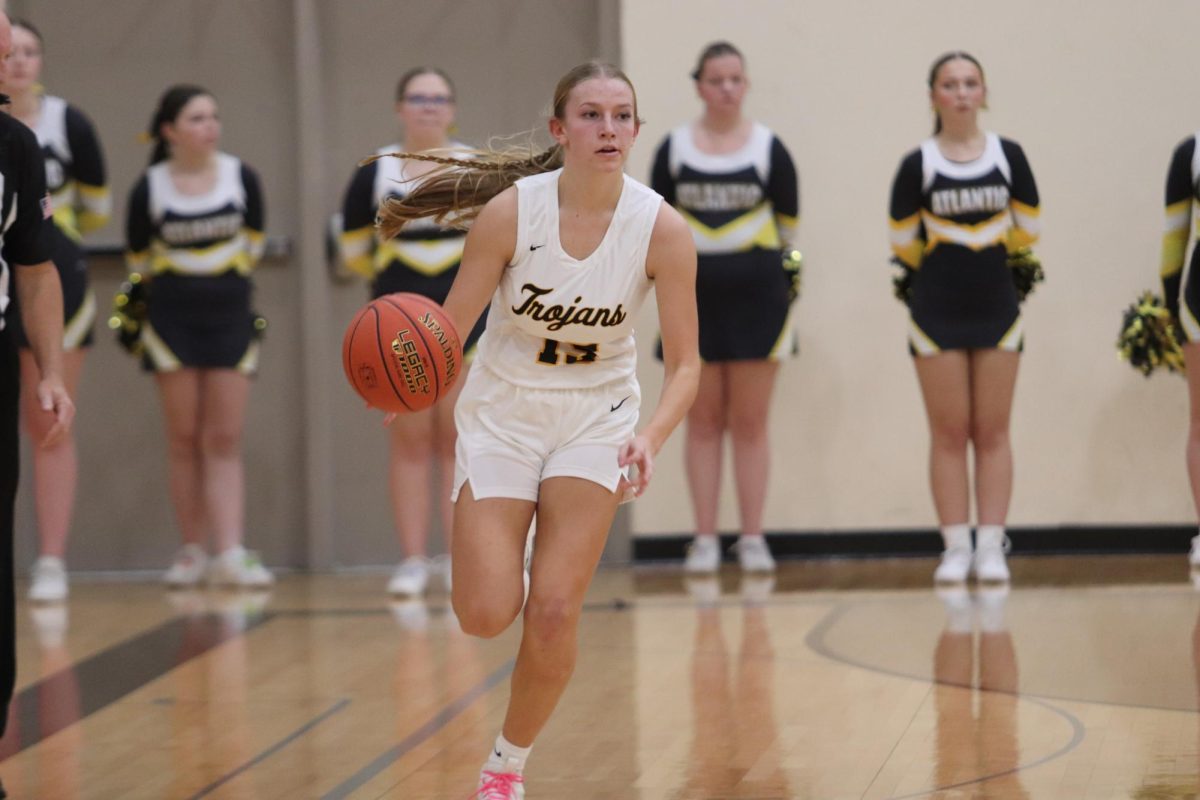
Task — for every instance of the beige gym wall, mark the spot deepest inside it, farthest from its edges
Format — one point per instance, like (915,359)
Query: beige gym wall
(1099,94)
(316,460)
(1097,98)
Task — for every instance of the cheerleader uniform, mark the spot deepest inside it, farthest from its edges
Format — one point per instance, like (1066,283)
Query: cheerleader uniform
(742,208)
(75,179)
(199,251)
(953,223)
(554,391)
(1183,187)
(423,258)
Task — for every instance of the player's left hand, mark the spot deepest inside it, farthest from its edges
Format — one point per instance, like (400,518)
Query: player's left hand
(638,454)
(53,398)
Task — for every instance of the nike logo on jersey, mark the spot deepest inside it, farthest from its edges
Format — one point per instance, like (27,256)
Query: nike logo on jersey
(618,405)
(533,247)
(497,752)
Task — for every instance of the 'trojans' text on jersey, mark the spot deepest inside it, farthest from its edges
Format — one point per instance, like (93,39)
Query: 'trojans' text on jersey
(559,317)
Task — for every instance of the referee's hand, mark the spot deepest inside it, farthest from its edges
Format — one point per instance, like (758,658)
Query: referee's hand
(53,398)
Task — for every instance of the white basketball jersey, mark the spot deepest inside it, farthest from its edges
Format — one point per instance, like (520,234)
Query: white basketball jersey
(557,322)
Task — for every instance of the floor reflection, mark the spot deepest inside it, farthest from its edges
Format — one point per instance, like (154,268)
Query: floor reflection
(209,709)
(975,669)
(735,751)
(51,711)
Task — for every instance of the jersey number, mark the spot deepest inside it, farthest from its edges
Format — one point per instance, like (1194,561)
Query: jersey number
(581,353)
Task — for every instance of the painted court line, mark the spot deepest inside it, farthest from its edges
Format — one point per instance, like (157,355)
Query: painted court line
(426,731)
(66,697)
(272,750)
(817,643)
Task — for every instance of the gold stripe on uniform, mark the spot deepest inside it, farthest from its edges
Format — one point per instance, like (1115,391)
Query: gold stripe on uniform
(65,220)
(1012,339)
(920,341)
(95,206)
(249,363)
(906,243)
(977,237)
(755,228)
(1191,327)
(212,260)
(256,245)
(1175,237)
(427,257)
(355,250)
(77,327)
(1174,247)
(786,334)
(160,355)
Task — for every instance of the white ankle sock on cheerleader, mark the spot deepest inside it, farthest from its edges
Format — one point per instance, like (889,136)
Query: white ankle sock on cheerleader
(956,536)
(990,548)
(956,559)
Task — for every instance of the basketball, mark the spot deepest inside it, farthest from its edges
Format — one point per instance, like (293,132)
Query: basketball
(401,353)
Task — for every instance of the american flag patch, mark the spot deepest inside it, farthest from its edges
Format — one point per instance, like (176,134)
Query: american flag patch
(47,208)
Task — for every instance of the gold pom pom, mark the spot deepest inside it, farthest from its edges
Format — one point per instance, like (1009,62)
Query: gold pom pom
(1148,338)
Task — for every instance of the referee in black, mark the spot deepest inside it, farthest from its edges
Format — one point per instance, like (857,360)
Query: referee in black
(24,265)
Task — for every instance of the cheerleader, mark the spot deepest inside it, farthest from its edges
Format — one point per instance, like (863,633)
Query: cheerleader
(423,259)
(195,233)
(734,182)
(1183,190)
(960,202)
(75,178)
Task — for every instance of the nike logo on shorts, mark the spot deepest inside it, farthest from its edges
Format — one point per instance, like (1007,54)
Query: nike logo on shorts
(533,247)
(618,405)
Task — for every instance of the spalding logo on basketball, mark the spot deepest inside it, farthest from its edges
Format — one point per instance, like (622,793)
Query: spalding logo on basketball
(401,353)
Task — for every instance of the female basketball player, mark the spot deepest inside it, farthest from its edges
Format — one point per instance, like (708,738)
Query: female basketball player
(423,258)
(75,178)
(959,202)
(195,232)
(735,184)
(546,421)
(1183,186)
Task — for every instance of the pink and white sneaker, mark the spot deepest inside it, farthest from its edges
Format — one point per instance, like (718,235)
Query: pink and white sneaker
(500,786)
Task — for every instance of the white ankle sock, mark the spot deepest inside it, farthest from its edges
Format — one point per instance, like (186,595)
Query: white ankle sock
(508,756)
(989,536)
(957,536)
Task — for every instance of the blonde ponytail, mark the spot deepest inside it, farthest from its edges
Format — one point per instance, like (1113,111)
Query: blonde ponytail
(455,192)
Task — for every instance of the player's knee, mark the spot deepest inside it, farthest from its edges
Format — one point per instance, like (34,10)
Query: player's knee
(550,618)
(484,617)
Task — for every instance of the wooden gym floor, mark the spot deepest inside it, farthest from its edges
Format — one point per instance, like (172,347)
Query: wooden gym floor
(850,679)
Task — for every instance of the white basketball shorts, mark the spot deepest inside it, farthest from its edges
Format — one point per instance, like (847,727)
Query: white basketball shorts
(511,438)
